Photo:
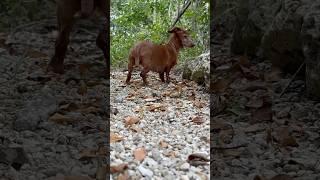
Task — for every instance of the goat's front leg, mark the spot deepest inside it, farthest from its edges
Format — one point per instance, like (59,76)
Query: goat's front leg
(65,23)
(102,43)
(167,74)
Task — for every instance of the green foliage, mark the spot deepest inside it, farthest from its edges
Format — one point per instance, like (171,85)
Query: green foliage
(135,20)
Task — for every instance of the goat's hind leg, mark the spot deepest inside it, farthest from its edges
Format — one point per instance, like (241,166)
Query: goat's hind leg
(161,75)
(102,43)
(167,75)
(65,23)
(143,74)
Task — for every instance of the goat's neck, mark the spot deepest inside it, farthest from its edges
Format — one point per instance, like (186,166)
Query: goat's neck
(174,43)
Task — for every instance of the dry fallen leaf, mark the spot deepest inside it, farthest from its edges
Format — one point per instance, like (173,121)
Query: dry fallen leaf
(87,154)
(197,120)
(285,138)
(140,154)
(118,168)
(135,128)
(130,120)
(115,137)
(163,144)
(155,107)
(61,119)
(220,85)
(281,177)
(171,154)
(198,103)
(123,176)
(198,159)
(91,109)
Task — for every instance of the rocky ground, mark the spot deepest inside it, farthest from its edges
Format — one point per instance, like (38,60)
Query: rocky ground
(51,126)
(160,131)
(261,129)
(54,126)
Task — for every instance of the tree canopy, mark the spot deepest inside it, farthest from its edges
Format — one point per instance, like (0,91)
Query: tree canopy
(135,20)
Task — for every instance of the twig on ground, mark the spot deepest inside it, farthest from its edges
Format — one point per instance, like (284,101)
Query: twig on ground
(231,147)
(292,78)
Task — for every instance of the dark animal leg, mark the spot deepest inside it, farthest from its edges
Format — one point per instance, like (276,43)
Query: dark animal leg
(143,74)
(167,74)
(130,68)
(102,43)
(65,23)
(161,75)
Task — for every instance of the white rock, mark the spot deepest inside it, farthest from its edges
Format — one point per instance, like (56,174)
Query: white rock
(185,166)
(145,172)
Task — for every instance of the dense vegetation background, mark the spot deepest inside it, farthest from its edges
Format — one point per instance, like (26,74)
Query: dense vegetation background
(134,20)
(131,21)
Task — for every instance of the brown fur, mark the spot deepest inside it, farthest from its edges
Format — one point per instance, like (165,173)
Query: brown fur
(67,10)
(158,58)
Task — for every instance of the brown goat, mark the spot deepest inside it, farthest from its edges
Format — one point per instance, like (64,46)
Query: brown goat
(158,58)
(67,10)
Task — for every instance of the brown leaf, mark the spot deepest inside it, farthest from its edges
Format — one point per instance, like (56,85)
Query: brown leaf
(88,153)
(171,154)
(140,154)
(61,119)
(130,120)
(135,128)
(281,177)
(115,137)
(91,109)
(123,176)
(285,137)
(118,168)
(155,107)
(163,144)
(235,153)
(198,103)
(197,120)
(262,114)
(131,96)
(69,107)
(220,85)
(198,159)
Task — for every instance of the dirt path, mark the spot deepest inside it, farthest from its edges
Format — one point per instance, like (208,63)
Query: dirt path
(155,129)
